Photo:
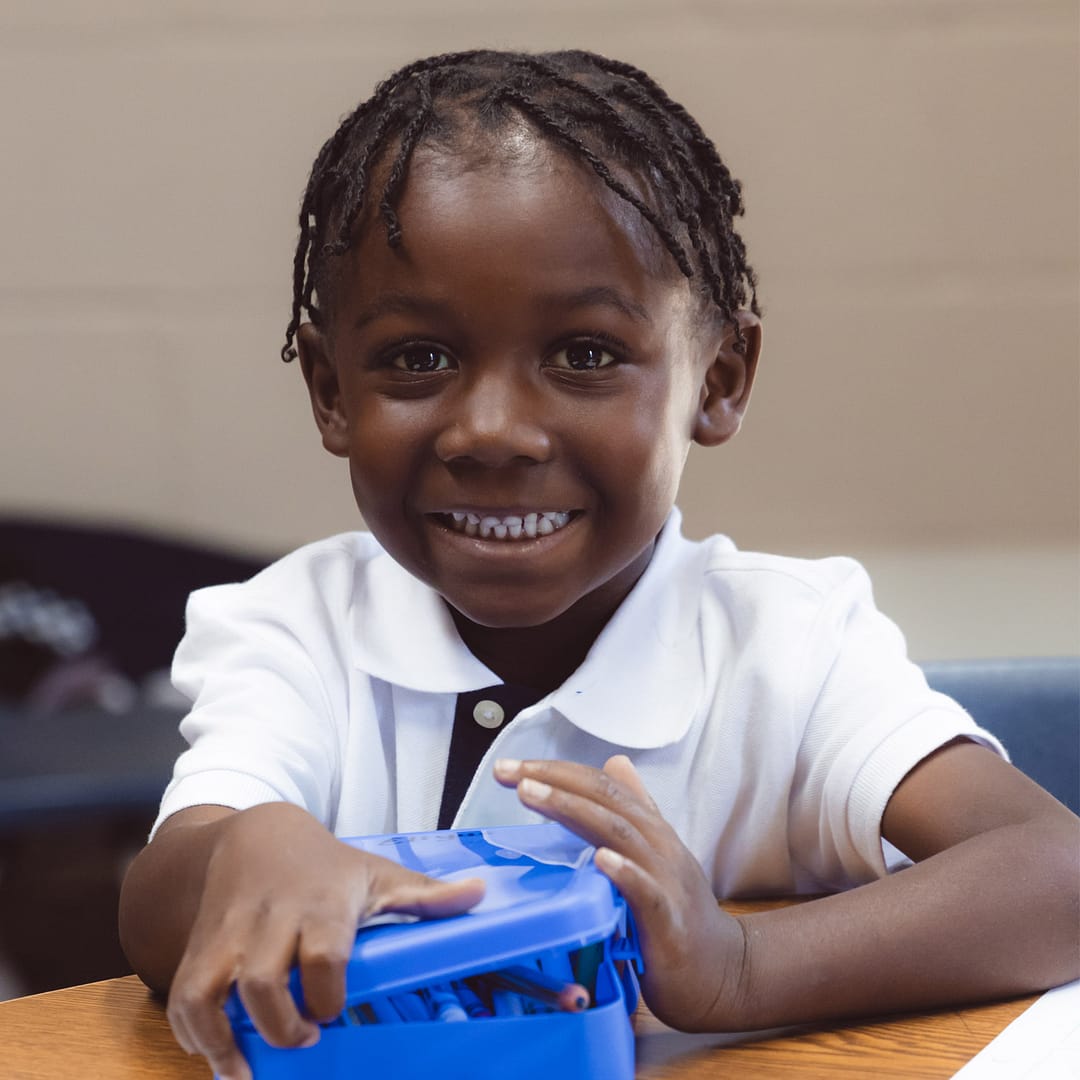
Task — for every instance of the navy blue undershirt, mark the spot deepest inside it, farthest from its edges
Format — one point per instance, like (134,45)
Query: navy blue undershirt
(470,741)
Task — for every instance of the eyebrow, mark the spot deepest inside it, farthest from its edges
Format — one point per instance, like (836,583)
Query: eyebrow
(398,303)
(603,296)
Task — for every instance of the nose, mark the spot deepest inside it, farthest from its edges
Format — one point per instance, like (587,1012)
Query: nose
(494,418)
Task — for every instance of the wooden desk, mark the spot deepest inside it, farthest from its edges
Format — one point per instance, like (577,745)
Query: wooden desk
(114,1030)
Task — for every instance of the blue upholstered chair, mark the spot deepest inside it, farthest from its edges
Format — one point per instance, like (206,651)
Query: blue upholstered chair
(1033,706)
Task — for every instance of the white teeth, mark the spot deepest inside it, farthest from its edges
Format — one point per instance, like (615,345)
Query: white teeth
(512,526)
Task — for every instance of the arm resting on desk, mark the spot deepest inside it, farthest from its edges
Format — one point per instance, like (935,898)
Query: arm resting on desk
(991,910)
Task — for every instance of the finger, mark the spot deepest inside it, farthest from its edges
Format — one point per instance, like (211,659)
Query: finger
(656,916)
(593,820)
(323,956)
(625,802)
(647,899)
(201,1027)
(507,771)
(178,1024)
(193,992)
(568,774)
(666,946)
(621,769)
(398,889)
(598,785)
(263,985)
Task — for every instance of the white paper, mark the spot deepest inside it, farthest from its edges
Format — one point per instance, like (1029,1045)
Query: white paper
(1042,1043)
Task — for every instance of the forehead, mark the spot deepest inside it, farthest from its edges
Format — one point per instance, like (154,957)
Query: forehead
(518,209)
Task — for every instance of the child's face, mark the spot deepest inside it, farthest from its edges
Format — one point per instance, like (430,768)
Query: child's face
(529,349)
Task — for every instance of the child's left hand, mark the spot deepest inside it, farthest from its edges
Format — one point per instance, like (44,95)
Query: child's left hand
(693,951)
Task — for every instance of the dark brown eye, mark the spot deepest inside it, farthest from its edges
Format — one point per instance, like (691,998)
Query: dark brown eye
(421,359)
(582,356)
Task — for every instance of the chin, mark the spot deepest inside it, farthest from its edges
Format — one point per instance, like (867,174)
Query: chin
(502,614)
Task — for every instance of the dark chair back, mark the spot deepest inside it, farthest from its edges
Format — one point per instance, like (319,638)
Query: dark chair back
(1031,705)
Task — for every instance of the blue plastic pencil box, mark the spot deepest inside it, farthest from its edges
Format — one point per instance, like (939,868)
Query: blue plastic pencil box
(546,910)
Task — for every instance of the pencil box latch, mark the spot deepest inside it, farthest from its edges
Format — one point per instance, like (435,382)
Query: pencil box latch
(624,944)
(624,950)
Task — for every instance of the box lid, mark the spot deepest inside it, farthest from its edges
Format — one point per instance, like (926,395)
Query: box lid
(543,893)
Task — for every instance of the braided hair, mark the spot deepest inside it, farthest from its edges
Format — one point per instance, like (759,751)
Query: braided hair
(601,111)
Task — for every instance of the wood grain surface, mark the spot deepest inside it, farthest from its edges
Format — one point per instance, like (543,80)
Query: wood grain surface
(112,1030)
(115,1030)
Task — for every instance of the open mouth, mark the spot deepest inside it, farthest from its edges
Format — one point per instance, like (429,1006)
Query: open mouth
(506,527)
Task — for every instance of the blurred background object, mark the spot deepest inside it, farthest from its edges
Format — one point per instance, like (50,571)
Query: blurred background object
(910,169)
(91,614)
(89,618)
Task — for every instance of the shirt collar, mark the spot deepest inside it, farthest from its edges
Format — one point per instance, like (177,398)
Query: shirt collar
(640,684)
(403,633)
(638,687)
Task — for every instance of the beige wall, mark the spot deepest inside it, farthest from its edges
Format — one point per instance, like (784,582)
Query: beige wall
(911,172)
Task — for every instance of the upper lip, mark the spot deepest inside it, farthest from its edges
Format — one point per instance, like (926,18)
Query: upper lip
(505,511)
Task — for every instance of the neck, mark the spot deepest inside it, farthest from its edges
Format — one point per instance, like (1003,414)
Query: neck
(543,657)
(540,657)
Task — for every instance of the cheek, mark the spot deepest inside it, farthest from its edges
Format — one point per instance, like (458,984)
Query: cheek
(385,438)
(368,495)
(378,469)
(641,455)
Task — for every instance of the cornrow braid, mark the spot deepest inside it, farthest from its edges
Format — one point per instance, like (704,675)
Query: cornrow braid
(548,123)
(632,135)
(725,192)
(409,138)
(610,115)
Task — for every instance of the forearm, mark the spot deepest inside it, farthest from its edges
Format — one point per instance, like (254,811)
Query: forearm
(993,916)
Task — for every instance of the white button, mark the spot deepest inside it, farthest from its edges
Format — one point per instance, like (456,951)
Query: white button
(488,714)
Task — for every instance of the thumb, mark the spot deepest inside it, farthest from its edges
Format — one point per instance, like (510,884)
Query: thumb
(410,893)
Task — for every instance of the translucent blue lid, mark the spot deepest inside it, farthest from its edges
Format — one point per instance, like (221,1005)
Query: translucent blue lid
(543,893)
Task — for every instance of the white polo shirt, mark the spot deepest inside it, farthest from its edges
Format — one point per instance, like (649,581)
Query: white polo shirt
(769,707)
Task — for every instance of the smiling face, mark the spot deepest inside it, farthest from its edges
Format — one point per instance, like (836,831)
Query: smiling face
(517,385)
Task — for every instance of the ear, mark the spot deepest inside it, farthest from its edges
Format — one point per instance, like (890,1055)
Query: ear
(320,374)
(729,378)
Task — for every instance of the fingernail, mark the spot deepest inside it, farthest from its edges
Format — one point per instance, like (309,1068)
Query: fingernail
(534,789)
(311,1040)
(507,768)
(609,860)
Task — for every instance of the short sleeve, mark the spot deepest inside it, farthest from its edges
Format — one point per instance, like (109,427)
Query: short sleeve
(871,718)
(265,677)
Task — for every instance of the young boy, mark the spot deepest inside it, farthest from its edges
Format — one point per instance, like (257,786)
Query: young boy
(527,299)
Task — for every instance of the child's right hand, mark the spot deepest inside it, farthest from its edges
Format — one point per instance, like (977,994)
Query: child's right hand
(280,890)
